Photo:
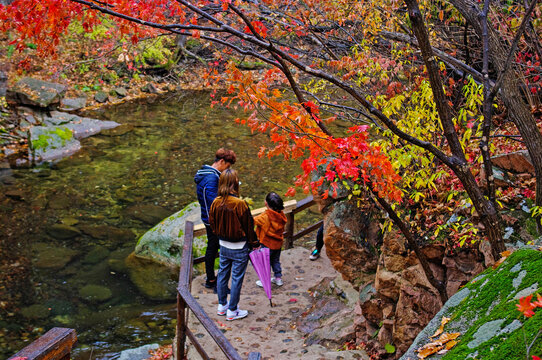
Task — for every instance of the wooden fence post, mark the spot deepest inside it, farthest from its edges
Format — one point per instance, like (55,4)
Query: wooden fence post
(181,327)
(289,231)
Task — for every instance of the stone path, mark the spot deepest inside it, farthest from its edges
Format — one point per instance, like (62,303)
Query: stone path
(270,330)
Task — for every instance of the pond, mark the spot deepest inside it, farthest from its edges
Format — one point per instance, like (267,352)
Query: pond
(73,223)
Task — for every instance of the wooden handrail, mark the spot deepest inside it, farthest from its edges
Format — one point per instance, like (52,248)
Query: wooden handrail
(185,300)
(55,344)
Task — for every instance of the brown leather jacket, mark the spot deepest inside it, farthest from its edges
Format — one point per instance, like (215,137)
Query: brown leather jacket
(232,221)
(270,228)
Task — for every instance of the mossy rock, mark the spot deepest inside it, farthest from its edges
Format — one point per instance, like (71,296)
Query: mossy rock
(484,312)
(164,242)
(96,255)
(155,281)
(95,293)
(35,311)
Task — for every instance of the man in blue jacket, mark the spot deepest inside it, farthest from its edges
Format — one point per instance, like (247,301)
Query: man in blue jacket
(207,187)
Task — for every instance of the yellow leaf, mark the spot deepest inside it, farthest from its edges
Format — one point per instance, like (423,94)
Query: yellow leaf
(444,338)
(450,344)
(441,15)
(441,328)
(428,350)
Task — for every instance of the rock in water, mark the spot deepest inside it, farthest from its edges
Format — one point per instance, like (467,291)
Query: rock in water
(95,293)
(153,267)
(164,242)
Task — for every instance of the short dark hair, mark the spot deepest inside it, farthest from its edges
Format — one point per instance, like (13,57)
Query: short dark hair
(274,201)
(226,155)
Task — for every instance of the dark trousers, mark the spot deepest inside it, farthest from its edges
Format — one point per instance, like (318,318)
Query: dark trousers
(274,259)
(210,254)
(320,238)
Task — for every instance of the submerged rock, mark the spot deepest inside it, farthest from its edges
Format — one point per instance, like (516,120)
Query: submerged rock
(153,280)
(148,213)
(52,257)
(95,293)
(36,311)
(62,231)
(96,255)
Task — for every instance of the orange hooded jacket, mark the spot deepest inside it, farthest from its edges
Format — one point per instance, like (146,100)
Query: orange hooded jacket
(270,228)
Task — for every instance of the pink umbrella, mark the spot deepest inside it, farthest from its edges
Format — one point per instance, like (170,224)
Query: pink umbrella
(260,261)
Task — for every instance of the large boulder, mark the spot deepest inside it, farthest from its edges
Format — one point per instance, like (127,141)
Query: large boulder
(36,92)
(485,315)
(350,238)
(154,266)
(164,242)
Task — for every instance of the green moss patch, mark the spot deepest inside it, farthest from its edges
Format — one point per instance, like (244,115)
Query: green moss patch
(485,313)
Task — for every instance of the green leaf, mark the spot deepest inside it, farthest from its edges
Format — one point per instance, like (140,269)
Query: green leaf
(389,348)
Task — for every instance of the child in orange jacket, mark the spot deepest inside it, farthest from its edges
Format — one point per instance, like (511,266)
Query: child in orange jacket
(270,229)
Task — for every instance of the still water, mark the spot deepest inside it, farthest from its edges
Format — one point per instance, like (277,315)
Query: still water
(148,164)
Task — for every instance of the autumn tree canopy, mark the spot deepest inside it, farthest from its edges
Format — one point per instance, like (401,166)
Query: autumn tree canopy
(417,87)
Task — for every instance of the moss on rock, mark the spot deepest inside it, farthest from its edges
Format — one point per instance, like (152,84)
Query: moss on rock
(485,313)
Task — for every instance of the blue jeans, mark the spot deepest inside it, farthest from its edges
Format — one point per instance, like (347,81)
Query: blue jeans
(232,262)
(274,259)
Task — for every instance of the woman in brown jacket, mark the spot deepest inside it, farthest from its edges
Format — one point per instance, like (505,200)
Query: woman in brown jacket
(232,222)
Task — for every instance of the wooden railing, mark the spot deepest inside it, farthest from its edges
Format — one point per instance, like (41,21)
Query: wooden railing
(56,344)
(185,300)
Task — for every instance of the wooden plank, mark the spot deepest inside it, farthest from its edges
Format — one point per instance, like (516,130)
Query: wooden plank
(305,203)
(55,344)
(308,230)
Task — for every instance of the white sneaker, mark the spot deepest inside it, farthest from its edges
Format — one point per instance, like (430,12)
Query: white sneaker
(259,283)
(237,314)
(221,309)
(277,281)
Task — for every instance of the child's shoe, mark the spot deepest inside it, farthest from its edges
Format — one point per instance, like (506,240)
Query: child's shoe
(237,314)
(315,254)
(221,309)
(277,281)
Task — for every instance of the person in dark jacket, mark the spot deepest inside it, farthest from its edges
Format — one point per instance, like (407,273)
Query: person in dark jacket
(207,188)
(232,222)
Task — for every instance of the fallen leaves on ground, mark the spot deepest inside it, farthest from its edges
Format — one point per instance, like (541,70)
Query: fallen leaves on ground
(444,343)
(504,255)
(440,330)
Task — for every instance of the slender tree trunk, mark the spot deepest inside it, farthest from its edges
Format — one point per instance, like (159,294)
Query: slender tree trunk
(511,92)
(486,210)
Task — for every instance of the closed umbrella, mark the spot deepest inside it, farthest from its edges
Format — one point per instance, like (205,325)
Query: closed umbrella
(261,263)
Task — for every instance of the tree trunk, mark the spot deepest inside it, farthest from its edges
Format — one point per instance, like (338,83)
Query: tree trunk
(486,210)
(511,92)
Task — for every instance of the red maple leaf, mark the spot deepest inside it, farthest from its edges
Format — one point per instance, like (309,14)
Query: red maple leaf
(538,302)
(525,306)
